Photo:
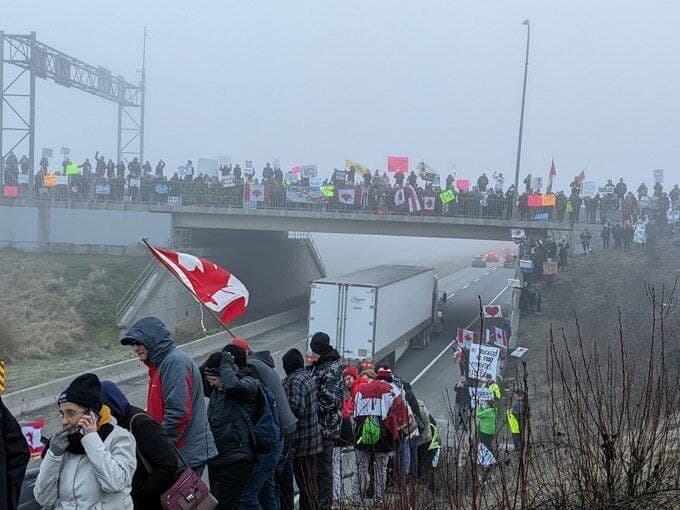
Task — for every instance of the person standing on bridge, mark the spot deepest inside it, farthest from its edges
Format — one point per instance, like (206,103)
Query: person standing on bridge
(14,457)
(327,372)
(175,398)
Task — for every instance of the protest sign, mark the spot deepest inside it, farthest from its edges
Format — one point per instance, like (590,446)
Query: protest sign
(339,175)
(548,200)
(308,171)
(296,169)
(526,264)
(535,200)
(463,184)
(65,151)
(541,216)
(174,201)
(483,360)
(62,180)
(47,152)
(480,396)
(50,180)
(447,196)
(292,176)
(549,268)
(519,352)
(493,311)
(22,179)
(484,456)
(208,166)
(397,164)
(135,182)
(606,190)
(10,191)
(328,190)
(249,168)
(228,181)
(514,283)
(305,195)
(589,189)
(658,175)
(183,171)
(673,216)
(162,189)
(518,233)
(315,182)
(102,189)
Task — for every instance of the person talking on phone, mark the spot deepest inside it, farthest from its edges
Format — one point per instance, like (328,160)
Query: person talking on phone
(91,461)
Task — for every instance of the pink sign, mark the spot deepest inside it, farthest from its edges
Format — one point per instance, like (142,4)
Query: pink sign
(463,184)
(397,164)
(296,169)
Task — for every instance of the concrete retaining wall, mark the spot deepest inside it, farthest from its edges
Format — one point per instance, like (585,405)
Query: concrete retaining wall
(43,395)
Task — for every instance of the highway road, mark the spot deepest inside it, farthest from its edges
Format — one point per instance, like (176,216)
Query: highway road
(431,370)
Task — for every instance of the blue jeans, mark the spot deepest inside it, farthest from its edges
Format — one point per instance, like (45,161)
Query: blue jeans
(260,492)
(402,459)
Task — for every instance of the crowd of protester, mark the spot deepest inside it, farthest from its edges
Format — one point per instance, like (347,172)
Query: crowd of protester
(258,436)
(355,188)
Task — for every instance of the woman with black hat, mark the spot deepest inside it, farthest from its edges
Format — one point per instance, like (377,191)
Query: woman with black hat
(90,463)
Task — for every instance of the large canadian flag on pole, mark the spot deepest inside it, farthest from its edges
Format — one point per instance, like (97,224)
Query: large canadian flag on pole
(216,288)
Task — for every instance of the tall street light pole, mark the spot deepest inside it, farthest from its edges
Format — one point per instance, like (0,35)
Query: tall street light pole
(515,210)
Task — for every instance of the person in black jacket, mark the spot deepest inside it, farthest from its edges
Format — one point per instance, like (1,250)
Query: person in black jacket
(14,457)
(157,465)
(232,391)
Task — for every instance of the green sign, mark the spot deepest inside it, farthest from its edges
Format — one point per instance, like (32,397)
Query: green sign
(328,190)
(447,196)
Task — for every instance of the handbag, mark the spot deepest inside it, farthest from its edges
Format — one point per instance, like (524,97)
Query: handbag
(188,492)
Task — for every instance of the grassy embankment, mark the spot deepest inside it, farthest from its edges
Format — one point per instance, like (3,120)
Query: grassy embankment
(57,313)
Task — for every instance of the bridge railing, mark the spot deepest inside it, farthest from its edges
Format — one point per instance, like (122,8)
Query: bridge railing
(344,198)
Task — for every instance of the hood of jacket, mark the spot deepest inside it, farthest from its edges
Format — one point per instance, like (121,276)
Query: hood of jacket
(152,334)
(265,357)
(331,355)
(115,399)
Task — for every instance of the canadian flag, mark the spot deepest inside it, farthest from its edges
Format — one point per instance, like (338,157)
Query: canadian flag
(255,193)
(428,203)
(467,337)
(347,196)
(498,337)
(413,200)
(399,197)
(32,431)
(215,287)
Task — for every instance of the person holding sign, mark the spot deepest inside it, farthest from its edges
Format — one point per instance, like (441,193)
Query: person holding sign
(486,421)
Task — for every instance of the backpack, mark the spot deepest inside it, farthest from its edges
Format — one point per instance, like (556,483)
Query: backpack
(371,431)
(265,431)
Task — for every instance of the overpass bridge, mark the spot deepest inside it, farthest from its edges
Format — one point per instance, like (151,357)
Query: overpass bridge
(57,215)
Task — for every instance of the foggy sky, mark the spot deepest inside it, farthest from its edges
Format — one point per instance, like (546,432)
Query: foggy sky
(318,82)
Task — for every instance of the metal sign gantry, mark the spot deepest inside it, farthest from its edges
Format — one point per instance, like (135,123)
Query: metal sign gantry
(33,59)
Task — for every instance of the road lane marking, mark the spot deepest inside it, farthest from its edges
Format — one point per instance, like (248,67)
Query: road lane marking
(465,286)
(475,280)
(431,363)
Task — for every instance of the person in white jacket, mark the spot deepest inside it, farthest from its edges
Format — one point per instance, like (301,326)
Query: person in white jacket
(90,463)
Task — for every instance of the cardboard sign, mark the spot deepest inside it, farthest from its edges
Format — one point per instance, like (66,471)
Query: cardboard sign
(228,181)
(50,180)
(483,360)
(492,311)
(658,175)
(606,190)
(10,191)
(183,171)
(526,264)
(339,175)
(22,179)
(549,268)
(589,189)
(518,233)
(315,182)
(514,283)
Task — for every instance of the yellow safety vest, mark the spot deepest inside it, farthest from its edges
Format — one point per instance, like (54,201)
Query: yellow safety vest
(513,423)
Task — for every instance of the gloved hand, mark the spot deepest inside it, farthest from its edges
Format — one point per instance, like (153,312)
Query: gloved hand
(228,359)
(59,442)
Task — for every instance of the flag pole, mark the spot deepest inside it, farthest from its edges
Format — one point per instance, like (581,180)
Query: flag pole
(212,312)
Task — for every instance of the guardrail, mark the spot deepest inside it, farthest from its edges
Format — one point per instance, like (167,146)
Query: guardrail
(342,197)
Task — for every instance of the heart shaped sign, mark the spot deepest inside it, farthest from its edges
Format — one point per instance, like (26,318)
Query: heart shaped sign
(492,311)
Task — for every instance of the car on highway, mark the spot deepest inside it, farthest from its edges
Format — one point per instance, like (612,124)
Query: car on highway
(478,261)
(492,256)
(509,260)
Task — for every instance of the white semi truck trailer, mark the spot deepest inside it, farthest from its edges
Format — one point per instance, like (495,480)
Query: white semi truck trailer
(375,314)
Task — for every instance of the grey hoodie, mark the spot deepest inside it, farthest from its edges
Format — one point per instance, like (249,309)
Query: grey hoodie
(262,365)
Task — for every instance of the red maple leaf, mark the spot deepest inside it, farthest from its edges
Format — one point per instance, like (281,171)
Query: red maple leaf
(346,196)
(256,192)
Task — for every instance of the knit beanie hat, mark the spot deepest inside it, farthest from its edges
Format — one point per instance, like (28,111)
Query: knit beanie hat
(292,361)
(351,371)
(320,344)
(242,343)
(85,390)
(239,354)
